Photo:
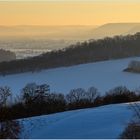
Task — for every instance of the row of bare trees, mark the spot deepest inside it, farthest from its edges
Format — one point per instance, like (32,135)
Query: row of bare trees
(38,100)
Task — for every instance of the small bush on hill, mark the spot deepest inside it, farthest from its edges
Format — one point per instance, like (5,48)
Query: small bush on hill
(134,66)
(132,130)
(119,95)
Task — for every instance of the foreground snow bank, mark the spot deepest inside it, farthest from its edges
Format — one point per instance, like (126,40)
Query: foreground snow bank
(103,75)
(100,122)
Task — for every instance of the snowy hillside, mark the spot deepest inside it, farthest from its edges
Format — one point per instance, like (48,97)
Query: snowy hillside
(103,75)
(102,122)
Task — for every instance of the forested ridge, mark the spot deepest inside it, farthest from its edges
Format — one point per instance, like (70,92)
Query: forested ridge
(80,53)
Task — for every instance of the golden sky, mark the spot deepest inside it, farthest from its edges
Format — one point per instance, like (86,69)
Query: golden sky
(68,12)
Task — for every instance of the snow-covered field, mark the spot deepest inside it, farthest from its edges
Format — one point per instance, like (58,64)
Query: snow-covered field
(103,75)
(101,122)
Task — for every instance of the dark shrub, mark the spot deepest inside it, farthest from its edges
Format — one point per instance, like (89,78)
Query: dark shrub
(132,131)
(10,129)
(119,95)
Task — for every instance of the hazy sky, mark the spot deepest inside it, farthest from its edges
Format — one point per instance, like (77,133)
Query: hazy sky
(68,12)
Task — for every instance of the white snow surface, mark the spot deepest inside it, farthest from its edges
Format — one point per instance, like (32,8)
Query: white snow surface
(101,122)
(102,75)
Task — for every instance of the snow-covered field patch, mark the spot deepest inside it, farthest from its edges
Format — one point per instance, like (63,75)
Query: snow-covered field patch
(102,75)
(101,122)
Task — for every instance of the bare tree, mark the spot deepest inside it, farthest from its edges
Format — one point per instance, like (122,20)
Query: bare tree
(118,90)
(92,94)
(5,93)
(29,92)
(76,95)
(33,92)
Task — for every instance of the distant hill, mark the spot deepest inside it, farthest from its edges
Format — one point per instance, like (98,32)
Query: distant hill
(72,32)
(134,30)
(6,55)
(112,29)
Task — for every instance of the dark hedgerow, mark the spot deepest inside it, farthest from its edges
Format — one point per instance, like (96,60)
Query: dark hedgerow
(120,94)
(38,100)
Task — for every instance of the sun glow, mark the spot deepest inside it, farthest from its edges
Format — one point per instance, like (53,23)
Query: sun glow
(68,13)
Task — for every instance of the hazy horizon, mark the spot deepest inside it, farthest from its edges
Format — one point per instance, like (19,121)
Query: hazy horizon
(69,24)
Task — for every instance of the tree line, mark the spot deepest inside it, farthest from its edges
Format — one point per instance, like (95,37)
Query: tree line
(79,53)
(37,100)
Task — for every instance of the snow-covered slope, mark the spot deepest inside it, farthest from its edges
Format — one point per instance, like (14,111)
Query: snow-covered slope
(102,122)
(103,75)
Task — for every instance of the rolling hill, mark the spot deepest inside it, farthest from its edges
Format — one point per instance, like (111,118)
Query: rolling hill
(112,29)
(106,122)
(69,32)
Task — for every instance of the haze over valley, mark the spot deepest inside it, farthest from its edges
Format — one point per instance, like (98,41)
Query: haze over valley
(28,41)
